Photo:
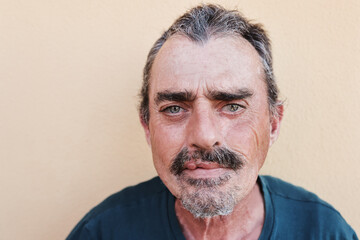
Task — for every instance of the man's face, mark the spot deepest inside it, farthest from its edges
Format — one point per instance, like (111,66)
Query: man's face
(208,102)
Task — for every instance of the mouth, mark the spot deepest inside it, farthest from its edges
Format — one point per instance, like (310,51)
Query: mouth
(206,164)
(192,165)
(203,170)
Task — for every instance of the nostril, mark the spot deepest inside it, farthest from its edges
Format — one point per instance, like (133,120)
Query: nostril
(195,146)
(199,146)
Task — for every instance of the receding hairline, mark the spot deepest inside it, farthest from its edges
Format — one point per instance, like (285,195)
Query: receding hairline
(216,36)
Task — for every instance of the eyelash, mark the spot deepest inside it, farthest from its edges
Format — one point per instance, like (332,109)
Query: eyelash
(239,107)
(168,109)
(226,108)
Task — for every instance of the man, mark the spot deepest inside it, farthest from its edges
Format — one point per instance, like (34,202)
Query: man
(210,111)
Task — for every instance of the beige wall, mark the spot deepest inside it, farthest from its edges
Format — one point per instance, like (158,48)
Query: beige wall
(69,77)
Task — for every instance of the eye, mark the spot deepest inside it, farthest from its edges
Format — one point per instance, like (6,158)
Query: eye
(172,109)
(233,108)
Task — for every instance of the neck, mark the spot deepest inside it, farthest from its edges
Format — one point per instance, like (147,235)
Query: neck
(245,222)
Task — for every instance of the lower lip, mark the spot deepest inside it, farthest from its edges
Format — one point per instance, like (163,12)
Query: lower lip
(204,173)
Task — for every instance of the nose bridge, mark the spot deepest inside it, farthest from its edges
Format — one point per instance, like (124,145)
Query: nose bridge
(203,128)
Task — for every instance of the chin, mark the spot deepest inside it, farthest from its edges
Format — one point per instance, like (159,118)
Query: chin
(209,197)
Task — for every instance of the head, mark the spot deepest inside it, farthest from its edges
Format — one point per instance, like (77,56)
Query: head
(210,108)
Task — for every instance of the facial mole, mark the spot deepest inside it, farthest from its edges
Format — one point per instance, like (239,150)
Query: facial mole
(191,166)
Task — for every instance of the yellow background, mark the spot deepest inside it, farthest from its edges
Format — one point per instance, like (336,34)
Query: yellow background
(70,72)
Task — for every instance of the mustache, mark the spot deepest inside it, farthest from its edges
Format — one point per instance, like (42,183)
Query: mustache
(222,156)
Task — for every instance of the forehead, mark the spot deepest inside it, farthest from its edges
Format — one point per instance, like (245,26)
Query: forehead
(220,63)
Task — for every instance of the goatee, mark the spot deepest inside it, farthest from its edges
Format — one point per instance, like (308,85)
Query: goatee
(208,198)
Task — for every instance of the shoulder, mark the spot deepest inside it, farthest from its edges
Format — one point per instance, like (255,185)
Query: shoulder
(129,196)
(287,190)
(127,211)
(303,211)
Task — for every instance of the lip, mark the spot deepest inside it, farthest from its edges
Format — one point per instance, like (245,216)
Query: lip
(204,173)
(203,169)
(203,165)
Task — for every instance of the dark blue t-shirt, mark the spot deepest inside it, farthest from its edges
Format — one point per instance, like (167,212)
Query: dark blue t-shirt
(147,211)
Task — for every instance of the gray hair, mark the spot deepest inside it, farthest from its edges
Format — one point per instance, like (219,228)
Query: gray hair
(201,23)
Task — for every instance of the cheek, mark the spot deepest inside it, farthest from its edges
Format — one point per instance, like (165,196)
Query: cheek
(242,138)
(250,138)
(166,141)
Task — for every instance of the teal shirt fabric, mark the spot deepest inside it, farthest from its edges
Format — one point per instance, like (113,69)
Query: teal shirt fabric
(147,211)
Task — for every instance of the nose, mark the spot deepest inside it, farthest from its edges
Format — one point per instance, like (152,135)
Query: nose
(204,130)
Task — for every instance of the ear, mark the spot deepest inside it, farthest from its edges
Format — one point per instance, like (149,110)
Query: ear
(275,122)
(146,129)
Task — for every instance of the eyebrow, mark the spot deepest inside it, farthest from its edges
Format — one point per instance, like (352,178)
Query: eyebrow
(239,94)
(186,96)
(181,96)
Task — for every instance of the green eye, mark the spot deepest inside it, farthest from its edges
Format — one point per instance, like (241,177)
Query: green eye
(172,109)
(233,108)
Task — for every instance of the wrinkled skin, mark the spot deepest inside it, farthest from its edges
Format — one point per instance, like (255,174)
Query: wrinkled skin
(245,126)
